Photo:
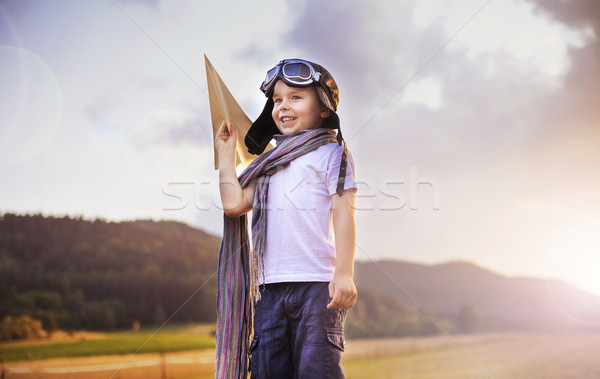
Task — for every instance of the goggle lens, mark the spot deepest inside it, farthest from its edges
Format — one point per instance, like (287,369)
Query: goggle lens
(297,70)
(270,75)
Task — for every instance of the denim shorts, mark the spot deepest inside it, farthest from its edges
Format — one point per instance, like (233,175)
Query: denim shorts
(295,335)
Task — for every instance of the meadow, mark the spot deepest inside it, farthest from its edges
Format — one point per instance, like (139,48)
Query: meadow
(477,356)
(188,352)
(82,344)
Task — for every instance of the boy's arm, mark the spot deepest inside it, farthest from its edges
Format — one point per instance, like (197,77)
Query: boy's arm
(342,290)
(236,201)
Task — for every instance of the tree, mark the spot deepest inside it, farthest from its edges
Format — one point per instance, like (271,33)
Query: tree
(20,328)
(468,319)
(159,314)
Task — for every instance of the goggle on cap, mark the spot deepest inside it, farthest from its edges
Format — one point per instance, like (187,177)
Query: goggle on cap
(295,73)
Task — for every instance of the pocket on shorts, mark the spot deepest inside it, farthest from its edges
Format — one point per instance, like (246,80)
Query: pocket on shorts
(336,318)
(335,337)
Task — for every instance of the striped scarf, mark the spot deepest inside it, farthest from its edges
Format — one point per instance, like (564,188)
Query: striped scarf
(240,264)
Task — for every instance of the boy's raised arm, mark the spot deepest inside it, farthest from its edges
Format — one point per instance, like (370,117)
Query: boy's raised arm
(236,201)
(342,289)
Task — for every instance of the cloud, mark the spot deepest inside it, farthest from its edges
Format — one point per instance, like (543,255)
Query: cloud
(575,14)
(189,130)
(159,83)
(568,119)
(258,54)
(367,49)
(101,106)
(150,3)
(495,108)
(581,92)
(169,130)
(375,50)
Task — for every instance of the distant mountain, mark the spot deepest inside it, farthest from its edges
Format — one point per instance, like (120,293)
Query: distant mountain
(502,303)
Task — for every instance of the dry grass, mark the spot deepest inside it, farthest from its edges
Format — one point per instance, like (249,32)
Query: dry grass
(170,365)
(496,355)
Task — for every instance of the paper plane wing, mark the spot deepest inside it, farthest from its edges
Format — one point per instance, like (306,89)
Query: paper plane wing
(223,106)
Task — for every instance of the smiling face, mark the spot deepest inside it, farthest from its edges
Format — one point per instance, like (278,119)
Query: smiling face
(297,108)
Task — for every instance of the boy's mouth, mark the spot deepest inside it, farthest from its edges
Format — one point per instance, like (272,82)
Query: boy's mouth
(287,120)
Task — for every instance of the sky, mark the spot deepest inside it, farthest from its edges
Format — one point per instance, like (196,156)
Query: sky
(474,125)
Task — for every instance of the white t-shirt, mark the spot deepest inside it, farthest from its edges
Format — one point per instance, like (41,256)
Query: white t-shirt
(300,242)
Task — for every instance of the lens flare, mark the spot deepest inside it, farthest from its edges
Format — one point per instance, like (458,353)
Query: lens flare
(107,135)
(31,105)
(9,31)
(581,308)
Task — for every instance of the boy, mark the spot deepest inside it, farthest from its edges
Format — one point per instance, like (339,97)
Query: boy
(302,258)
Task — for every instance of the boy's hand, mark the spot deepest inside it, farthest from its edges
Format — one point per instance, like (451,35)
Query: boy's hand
(225,142)
(342,292)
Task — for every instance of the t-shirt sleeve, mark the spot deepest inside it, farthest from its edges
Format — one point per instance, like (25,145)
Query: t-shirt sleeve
(333,170)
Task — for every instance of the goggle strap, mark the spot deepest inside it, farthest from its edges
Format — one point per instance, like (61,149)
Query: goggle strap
(342,173)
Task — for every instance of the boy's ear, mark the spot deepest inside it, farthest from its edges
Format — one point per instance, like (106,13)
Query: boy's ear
(325,112)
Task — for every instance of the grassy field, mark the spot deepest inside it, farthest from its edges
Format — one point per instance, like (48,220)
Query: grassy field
(475,356)
(480,356)
(169,339)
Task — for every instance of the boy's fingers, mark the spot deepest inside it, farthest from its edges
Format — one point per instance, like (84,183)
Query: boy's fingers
(345,301)
(220,132)
(331,303)
(335,301)
(224,134)
(230,130)
(340,297)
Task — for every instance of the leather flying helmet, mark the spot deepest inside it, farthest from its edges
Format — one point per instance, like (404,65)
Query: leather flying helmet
(294,73)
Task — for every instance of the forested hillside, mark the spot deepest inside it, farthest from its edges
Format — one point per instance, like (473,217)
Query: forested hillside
(73,273)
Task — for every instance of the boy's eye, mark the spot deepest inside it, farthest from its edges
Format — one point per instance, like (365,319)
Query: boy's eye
(277,100)
(295,97)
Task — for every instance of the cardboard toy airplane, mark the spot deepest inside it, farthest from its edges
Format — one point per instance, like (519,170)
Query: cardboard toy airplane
(223,106)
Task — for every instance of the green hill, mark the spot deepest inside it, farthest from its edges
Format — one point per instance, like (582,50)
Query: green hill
(73,273)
